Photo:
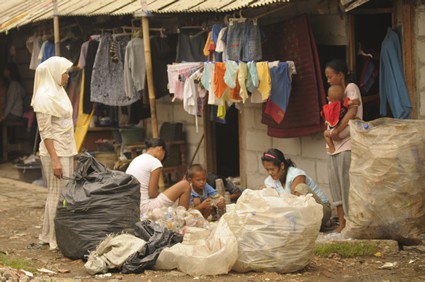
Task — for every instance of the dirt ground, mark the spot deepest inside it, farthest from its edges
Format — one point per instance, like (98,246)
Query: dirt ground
(21,208)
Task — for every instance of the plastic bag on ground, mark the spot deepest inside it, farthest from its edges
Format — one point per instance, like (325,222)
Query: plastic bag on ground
(275,233)
(387,176)
(95,203)
(203,252)
(157,238)
(112,253)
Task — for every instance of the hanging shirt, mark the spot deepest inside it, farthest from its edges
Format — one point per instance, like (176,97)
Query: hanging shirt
(107,83)
(391,79)
(219,84)
(83,54)
(264,86)
(48,51)
(242,79)
(221,43)
(212,97)
(33,45)
(134,67)
(173,73)
(280,92)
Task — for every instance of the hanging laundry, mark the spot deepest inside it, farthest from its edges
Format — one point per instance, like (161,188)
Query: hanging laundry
(253,80)
(209,75)
(243,79)
(88,71)
(391,80)
(177,75)
(220,86)
(191,95)
(302,117)
(107,84)
(73,89)
(163,53)
(280,92)
(190,48)
(70,49)
(244,42)
(83,54)
(230,78)
(221,44)
(209,48)
(47,50)
(262,93)
(134,67)
(33,45)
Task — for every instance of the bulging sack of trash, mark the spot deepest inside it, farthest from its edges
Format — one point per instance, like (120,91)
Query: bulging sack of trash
(387,176)
(96,202)
(205,252)
(275,233)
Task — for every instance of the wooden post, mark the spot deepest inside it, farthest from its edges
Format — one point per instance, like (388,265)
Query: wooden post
(151,88)
(408,41)
(56,28)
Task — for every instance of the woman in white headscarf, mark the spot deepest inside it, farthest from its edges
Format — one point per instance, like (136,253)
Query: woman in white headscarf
(57,147)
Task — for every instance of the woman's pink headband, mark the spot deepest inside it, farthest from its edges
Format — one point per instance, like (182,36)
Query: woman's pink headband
(270,156)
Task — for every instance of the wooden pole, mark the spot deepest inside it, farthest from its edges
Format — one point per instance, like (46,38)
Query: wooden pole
(56,28)
(151,88)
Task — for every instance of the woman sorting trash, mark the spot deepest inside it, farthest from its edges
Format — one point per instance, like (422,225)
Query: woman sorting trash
(147,168)
(284,177)
(57,147)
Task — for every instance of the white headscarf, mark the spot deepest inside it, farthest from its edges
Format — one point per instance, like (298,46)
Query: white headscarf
(49,96)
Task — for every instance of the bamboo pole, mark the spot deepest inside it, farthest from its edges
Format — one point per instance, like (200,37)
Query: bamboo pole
(56,28)
(151,88)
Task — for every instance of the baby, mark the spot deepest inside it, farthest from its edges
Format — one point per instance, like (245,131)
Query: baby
(334,112)
(201,197)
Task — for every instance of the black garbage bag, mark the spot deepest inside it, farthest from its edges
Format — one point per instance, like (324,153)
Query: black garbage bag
(96,202)
(157,238)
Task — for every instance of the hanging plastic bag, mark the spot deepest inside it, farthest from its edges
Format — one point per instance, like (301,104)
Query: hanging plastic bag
(387,176)
(202,252)
(157,237)
(274,233)
(96,202)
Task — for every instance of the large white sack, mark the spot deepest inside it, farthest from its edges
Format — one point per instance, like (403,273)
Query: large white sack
(274,233)
(202,253)
(387,180)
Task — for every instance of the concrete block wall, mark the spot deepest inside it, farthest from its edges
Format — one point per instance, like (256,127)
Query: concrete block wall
(420,55)
(168,111)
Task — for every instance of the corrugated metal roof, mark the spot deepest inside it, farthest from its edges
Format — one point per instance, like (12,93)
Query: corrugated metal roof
(193,6)
(15,13)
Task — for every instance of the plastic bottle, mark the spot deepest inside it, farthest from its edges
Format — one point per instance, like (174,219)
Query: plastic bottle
(219,186)
(227,198)
(362,125)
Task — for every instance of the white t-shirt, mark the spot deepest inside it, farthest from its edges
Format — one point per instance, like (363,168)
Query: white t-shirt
(141,168)
(352,92)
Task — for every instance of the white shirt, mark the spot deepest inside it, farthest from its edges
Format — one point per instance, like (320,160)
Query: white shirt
(141,168)
(134,67)
(60,130)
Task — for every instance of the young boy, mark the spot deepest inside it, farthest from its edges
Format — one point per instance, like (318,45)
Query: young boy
(201,197)
(334,112)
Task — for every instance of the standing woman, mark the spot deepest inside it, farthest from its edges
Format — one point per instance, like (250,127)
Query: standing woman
(13,109)
(339,161)
(57,147)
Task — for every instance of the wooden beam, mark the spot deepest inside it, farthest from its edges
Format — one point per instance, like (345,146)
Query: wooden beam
(56,30)
(372,11)
(351,46)
(408,19)
(149,75)
(242,149)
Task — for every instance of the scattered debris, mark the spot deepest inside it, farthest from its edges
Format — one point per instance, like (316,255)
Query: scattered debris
(103,275)
(45,270)
(27,273)
(378,254)
(388,265)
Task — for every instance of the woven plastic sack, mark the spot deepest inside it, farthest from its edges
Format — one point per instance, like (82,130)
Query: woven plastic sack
(96,202)
(202,252)
(274,233)
(387,175)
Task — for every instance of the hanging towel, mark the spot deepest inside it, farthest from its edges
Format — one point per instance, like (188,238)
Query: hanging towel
(280,91)
(302,116)
(391,80)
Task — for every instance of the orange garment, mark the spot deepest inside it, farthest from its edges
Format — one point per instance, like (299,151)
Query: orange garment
(209,46)
(219,85)
(234,92)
